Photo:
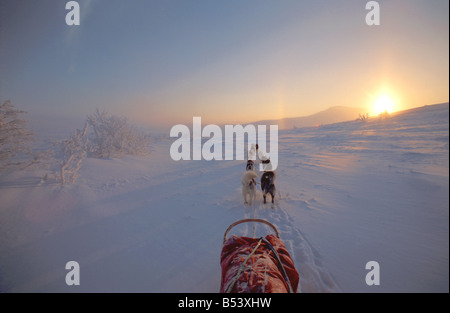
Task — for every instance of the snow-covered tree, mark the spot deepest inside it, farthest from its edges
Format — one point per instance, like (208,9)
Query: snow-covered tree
(113,136)
(74,151)
(104,136)
(14,135)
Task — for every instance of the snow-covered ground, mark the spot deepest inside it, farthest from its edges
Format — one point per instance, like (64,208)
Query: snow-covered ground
(349,193)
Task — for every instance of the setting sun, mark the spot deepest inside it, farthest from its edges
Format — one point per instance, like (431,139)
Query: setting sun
(383,104)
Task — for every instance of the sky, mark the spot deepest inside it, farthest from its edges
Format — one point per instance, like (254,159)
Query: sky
(162,62)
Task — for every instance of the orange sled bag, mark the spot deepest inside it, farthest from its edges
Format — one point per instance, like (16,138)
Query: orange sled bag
(261,265)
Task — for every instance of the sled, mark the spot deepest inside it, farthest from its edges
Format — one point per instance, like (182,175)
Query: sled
(256,265)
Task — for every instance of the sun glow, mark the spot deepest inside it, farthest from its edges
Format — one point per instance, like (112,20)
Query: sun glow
(383,104)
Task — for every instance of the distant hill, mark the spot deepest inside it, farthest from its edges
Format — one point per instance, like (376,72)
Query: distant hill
(332,115)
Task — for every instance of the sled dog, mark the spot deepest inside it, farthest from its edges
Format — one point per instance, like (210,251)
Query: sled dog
(268,185)
(249,186)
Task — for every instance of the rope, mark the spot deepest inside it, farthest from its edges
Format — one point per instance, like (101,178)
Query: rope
(241,268)
(277,257)
(281,267)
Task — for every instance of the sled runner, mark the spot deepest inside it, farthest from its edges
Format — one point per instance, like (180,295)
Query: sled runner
(256,265)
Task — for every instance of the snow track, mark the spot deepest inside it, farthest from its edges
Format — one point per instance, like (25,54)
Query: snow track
(314,276)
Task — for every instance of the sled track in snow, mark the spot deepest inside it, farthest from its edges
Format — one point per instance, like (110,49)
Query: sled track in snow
(314,277)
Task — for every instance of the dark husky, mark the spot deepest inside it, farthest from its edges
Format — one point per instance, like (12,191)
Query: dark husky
(268,185)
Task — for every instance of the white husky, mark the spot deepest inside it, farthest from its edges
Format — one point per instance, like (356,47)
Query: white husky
(249,186)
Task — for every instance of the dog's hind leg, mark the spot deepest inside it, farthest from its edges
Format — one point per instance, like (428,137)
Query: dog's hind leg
(244,195)
(273,199)
(254,195)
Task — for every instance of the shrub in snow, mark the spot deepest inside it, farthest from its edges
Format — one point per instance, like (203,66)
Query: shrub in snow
(384,115)
(363,117)
(14,135)
(113,136)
